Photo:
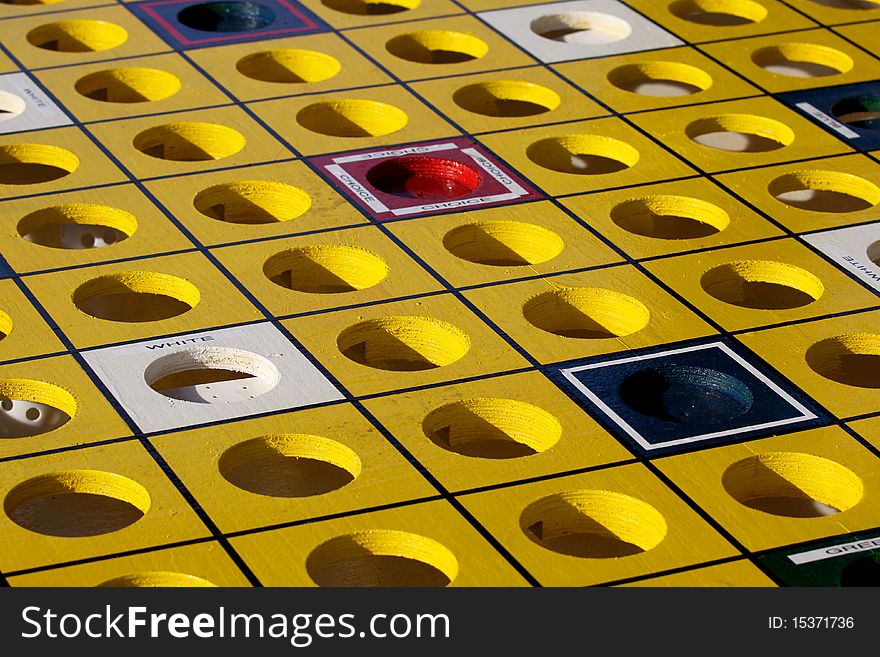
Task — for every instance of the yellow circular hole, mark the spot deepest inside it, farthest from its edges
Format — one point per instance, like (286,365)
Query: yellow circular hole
(583,154)
(156,579)
(503,243)
(852,359)
(719,13)
(762,284)
(506,98)
(352,118)
(492,428)
(586,312)
(252,202)
(740,133)
(803,60)
(290,465)
(128,85)
(793,484)
(326,269)
(136,296)
(404,343)
(30,408)
(661,79)
(437,47)
(669,217)
(77,503)
(78,36)
(289,66)
(371,7)
(31,164)
(77,226)
(594,524)
(189,142)
(825,191)
(382,557)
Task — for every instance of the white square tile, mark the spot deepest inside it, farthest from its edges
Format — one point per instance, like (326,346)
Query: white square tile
(856,249)
(25,106)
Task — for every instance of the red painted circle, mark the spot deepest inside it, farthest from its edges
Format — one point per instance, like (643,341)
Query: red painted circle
(428,178)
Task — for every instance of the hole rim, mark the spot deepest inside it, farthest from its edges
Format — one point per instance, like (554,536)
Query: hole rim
(136,282)
(575,312)
(334,268)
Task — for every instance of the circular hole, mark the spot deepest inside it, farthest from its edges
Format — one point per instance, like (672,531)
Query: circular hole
(252,202)
(227,16)
(762,284)
(508,99)
(594,524)
(660,79)
(128,85)
(852,359)
(19,398)
(382,558)
(792,484)
(863,571)
(583,154)
(289,66)
(426,178)
(352,118)
(290,465)
(437,47)
(802,60)
(189,142)
(211,375)
(503,243)
(586,312)
(874,253)
(136,296)
(371,7)
(719,13)
(77,503)
(491,428)
(10,106)
(686,395)
(326,269)
(825,191)
(740,133)
(156,579)
(78,36)
(582,28)
(77,226)
(404,344)
(31,164)
(859,111)
(670,217)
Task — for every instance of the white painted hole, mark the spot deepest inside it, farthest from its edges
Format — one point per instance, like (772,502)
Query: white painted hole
(10,106)
(583,28)
(20,418)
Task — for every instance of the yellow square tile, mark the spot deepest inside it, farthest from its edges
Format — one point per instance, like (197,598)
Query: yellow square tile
(25,333)
(495,431)
(288,67)
(51,161)
(202,564)
(737,573)
(842,62)
(832,360)
(120,222)
(12,10)
(72,410)
(424,545)
(868,429)
(501,100)
(586,156)
(352,120)
(768,131)
(256,202)
(761,284)
(589,313)
(498,244)
(834,12)
(762,492)
(623,82)
(354,13)
(291,467)
(597,527)
(667,218)
(6,64)
(186,142)
(132,87)
(863,34)
(140,299)
(89,502)
(404,344)
(326,270)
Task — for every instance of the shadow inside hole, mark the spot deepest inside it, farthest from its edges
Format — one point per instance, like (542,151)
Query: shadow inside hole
(560,317)
(29,173)
(366,569)
(240,211)
(21,419)
(759,295)
(278,475)
(227,16)
(737,142)
(589,539)
(75,514)
(126,305)
(471,435)
(328,120)
(844,366)
(388,352)
(178,148)
(823,200)
(864,571)
(859,111)
(364,8)
(75,236)
(413,50)
(767,491)
(661,226)
(480,100)
(485,249)
(425,178)
(313,277)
